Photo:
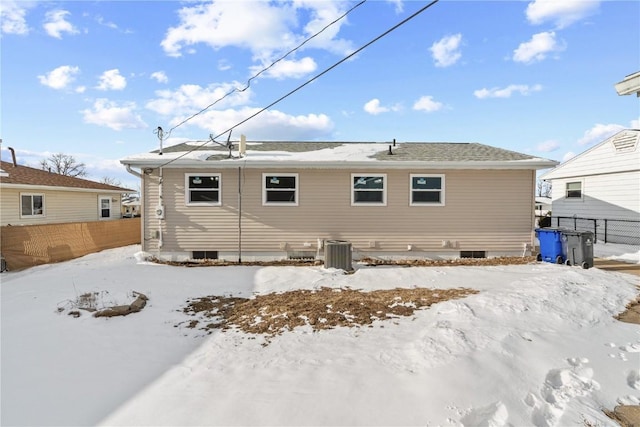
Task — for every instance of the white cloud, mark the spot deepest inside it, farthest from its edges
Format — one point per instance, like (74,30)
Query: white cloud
(537,48)
(224,65)
(568,156)
(561,12)
(110,114)
(548,146)
(112,80)
(56,24)
(399,6)
(13,17)
(635,124)
(288,68)
(269,125)
(59,78)
(100,20)
(426,103)
(264,28)
(506,92)
(599,133)
(160,77)
(446,51)
(189,99)
(374,107)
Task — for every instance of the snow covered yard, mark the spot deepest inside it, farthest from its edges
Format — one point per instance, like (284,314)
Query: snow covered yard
(537,345)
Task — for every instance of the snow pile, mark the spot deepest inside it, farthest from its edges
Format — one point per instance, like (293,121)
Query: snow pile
(537,345)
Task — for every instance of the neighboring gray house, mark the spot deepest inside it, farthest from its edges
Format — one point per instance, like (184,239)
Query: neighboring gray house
(278,200)
(601,183)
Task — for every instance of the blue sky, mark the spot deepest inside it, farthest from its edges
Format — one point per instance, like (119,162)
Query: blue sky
(95,79)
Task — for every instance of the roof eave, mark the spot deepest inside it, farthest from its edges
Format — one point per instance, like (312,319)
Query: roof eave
(630,85)
(59,188)
(535,163)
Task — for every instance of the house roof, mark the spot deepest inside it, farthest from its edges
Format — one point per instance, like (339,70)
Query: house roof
(630,84)
(340,154)
(26,176)
(622,152)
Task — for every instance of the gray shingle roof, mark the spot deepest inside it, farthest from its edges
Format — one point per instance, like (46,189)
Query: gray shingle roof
(408,151)
(450,152)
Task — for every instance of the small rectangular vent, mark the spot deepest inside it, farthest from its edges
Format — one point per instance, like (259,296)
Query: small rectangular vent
(473,254)
(204,254)
(626,142)
(302,255)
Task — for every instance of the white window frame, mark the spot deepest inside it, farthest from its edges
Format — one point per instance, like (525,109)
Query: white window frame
(32,215)
(265,190)
(187,190)
(566,190)
(430,175)
(100,199)
(369,175)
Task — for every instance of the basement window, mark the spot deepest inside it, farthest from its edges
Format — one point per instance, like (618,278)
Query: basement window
(204,255)
(473,254)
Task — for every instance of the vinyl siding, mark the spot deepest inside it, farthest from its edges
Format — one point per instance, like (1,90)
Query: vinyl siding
(485,210)
(60,206)
(612,196)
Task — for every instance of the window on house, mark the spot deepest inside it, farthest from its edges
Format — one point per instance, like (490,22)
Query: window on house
(368,189)
(202,189)
(31,205)
(280,189)
(473,254)
(574,190)
(104,207)
(204,255)
(427,190)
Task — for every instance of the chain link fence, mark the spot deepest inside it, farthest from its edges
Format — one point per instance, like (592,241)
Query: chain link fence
(622,231)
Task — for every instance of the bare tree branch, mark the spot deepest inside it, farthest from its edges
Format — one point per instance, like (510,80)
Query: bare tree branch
(64,164)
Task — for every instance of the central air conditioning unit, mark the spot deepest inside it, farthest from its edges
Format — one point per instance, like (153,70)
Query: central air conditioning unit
(159,212)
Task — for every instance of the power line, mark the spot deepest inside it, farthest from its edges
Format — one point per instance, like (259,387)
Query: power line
(255,76)
(399,24)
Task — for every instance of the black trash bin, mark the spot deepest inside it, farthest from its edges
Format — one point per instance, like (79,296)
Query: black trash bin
(578,248)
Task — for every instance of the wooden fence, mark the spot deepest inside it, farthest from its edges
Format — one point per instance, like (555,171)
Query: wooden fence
(29,245)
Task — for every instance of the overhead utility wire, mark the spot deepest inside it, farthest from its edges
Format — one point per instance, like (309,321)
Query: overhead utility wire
(399,24)
(255,76)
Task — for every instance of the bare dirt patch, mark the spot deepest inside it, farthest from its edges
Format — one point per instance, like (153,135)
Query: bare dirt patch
(625,415)
(632,312)
(325,308)
(364,261)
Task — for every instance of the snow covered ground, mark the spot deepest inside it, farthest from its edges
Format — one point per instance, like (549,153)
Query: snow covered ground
(538,345)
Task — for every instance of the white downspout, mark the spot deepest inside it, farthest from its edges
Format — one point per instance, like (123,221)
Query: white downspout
(160,202)
(142,216)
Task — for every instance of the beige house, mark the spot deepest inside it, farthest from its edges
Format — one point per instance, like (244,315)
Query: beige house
(30,196)
(278,200)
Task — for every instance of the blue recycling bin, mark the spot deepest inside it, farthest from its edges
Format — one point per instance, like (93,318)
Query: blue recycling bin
(550,245)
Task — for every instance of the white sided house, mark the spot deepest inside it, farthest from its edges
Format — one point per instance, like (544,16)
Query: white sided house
(285,200)
(600,183)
